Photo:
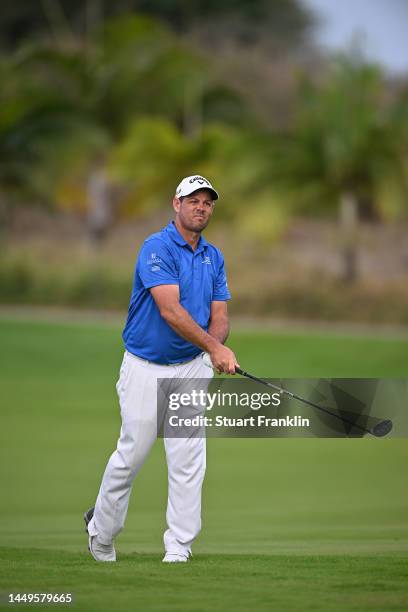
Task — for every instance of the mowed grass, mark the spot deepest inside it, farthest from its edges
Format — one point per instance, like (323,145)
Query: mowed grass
(317,524)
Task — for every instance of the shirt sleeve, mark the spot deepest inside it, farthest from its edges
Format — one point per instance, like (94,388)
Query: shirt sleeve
(221,291)
(156,265)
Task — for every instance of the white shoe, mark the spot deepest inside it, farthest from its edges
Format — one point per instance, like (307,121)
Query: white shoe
(174,558)
(99,551)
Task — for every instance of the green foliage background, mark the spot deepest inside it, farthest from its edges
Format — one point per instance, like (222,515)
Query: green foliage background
(104,109)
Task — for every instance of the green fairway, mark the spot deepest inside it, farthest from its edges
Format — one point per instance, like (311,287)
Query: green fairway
(317,524)
(217,582)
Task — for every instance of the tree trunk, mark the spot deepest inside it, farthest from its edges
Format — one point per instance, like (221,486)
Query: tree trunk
(348,236)
(100,202)
(100,205)
(193,112)
(4,215)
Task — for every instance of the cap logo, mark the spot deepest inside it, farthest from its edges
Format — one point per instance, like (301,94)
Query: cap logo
(200,179)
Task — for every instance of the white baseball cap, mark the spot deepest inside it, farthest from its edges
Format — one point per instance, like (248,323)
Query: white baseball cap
(192,183)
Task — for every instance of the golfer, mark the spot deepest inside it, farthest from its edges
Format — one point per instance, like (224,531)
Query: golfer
(177,312)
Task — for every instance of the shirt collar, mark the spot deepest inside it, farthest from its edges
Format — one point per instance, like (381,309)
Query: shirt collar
(177,237)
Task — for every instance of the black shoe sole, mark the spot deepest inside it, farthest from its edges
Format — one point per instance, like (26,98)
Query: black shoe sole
(88,517)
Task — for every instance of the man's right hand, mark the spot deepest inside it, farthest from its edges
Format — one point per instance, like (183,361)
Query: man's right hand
(223,359)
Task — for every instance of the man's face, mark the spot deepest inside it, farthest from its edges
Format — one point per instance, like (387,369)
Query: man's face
(194,211)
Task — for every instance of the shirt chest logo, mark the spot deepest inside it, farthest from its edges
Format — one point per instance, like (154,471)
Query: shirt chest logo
(154,259)
(206,260)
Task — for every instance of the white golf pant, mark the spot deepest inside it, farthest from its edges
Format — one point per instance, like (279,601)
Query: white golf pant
(186,457)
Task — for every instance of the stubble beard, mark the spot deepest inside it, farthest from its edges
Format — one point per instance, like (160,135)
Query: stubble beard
(195,225)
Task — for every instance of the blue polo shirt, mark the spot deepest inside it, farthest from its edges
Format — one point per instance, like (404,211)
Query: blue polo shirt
(167,259)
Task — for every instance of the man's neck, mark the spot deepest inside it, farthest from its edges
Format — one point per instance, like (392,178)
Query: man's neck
(190,237)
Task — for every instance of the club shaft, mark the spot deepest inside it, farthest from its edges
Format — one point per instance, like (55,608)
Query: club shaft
(300,399)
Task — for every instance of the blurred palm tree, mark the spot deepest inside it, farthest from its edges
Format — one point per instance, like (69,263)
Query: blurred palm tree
(30,120)
(91,90)
(344,141)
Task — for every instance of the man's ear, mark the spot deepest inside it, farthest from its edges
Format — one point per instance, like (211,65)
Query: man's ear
(176,204)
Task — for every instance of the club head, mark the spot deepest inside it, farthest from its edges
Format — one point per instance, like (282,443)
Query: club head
(382,429)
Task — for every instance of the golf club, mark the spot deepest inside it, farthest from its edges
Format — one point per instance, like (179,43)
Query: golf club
(379,430)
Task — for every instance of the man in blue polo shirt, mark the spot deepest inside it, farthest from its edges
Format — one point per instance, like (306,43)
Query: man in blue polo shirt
(177,314)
